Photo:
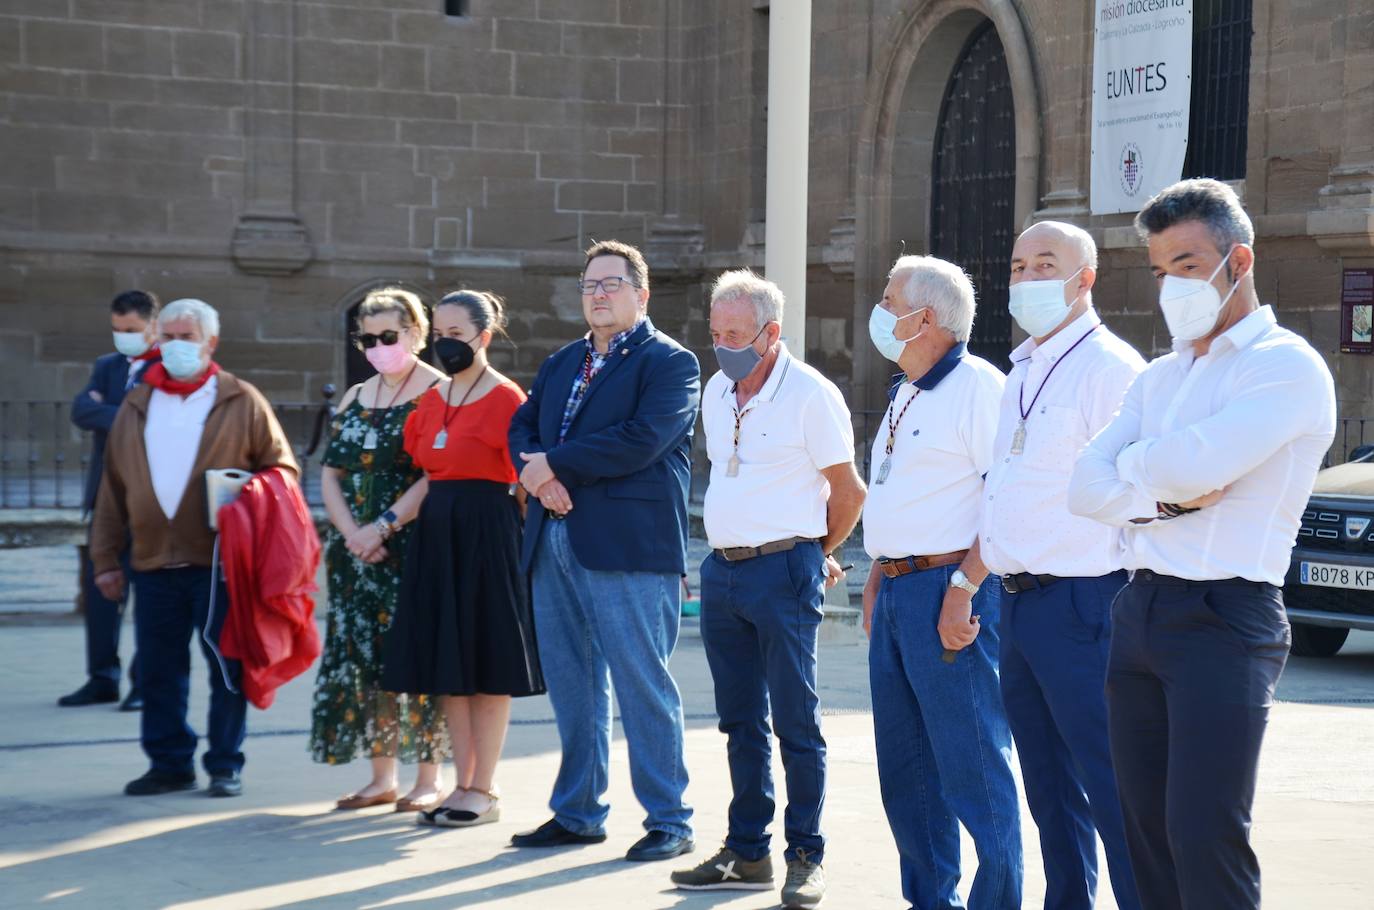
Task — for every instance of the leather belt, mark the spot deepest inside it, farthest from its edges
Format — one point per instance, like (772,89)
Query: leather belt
(905,565)
(739,554)
(1026,581)
(1149,577)
(556,516)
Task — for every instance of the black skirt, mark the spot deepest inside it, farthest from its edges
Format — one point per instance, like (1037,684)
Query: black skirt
(463,624)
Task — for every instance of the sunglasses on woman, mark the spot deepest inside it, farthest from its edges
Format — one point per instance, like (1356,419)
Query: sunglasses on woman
(365,340)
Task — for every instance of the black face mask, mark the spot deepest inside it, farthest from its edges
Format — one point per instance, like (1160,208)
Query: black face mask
(454,356)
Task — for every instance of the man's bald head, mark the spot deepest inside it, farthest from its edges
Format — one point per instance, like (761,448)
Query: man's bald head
(1071,244)
(1053,251)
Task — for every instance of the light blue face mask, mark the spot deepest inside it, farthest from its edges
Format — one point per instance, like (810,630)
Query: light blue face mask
(181,358)
(881,327)
(1039,306)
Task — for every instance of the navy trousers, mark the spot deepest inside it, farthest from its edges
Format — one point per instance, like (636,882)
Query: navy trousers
(1055,643)
(760,620)
(104,617)
(173,605)
(1190,680)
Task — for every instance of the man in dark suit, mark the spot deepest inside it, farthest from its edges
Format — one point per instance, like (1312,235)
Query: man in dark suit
(132,317)
(603,444)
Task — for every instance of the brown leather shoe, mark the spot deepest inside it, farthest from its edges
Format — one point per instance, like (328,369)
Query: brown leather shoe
(354,801)
(417,805)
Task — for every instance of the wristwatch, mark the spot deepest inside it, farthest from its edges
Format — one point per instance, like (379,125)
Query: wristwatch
(386,524)
(960,580)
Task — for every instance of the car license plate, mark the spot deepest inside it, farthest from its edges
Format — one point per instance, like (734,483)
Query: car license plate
(1327,575)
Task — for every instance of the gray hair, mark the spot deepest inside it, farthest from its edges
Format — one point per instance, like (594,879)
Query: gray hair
(942,286)
(742,284)
(198,311)
(1202,199)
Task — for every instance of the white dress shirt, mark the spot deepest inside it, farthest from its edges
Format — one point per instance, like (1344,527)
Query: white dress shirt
(1253,416)
(796,425)
(929,503)
(172,438)
(1027,525)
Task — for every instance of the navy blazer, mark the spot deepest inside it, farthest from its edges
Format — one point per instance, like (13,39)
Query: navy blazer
(109,377)
(627,459)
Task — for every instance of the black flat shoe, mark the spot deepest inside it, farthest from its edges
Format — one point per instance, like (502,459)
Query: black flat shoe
(552,834)
(226,783)
(657,845)
(155,782)
(94,692)
(132,702)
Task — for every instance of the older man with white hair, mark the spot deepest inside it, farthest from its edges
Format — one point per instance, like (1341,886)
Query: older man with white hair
(783,496)
(1059,572)
(944,750)
(188,418)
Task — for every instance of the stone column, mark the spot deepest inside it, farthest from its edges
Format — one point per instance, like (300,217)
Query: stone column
(269,238)
(1344,220)
(789,139)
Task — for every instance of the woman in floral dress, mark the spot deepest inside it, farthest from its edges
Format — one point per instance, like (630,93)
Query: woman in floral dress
(371,490)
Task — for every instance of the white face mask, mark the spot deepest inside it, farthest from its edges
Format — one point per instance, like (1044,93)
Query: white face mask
(1191,305)
(882,326)
(1039,306)
(182,359)
(130,344)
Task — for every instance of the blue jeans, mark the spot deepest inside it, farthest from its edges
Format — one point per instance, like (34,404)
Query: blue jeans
(759,623)
(1054,675)
(944,749)
(172,605)
(596,629)
(1191,676)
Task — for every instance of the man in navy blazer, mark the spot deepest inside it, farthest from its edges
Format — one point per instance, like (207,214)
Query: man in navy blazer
(132,318)
(603,444)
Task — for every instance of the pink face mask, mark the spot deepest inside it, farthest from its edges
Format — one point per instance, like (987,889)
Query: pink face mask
(389,358)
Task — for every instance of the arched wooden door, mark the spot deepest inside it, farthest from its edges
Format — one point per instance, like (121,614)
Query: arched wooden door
(973,187)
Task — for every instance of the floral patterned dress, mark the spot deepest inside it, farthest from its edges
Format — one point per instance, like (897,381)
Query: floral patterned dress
(352,717)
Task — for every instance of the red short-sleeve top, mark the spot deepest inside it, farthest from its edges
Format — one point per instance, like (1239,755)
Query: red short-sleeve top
(476,446)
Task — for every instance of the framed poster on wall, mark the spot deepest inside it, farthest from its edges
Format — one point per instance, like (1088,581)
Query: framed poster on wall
(1357,311)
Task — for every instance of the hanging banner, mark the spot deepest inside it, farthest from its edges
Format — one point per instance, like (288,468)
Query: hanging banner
(1142,80)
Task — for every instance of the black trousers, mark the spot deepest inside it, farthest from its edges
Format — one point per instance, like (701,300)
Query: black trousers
(103,620)
(1190,679)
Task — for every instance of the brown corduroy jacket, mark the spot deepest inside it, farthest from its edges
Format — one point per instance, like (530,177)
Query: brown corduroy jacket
(241,431)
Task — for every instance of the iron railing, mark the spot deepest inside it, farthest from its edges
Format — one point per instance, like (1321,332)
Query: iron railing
(44,457)
(1219,110)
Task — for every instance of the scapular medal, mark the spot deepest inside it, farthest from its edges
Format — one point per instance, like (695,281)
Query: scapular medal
(441,439)
(884,469)
(1018,439)
(370,440)
(732,466)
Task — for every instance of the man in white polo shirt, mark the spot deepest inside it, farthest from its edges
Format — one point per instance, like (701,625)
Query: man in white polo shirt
(1208,466)
(1059,572)
(783,496)
(944,750)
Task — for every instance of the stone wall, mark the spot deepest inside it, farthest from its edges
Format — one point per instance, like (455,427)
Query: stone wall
(279,157)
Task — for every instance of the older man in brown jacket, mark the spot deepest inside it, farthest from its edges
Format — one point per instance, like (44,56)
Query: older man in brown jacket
(189,417)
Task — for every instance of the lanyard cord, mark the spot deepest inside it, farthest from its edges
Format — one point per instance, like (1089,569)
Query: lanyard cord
(1021,394)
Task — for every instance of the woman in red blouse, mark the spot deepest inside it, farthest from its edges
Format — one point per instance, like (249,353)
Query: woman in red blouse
(463,626)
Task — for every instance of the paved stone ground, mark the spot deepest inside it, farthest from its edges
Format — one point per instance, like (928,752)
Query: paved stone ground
(68,839)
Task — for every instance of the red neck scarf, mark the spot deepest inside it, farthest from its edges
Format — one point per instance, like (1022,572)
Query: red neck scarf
(158,377)
(151,354)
